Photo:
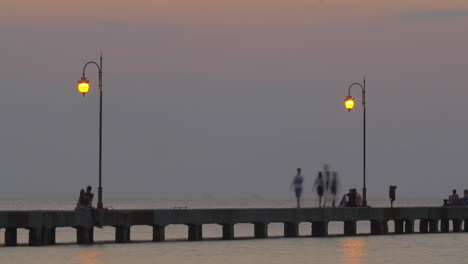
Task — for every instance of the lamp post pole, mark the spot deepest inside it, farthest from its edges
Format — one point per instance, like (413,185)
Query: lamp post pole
(363,88)
(83,80)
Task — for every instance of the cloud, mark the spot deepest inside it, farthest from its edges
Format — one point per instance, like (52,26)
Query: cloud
(435,14)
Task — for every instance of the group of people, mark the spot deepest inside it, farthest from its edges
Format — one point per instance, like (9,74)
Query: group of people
(326,186)
(351,199)
(455,200)
(85,201)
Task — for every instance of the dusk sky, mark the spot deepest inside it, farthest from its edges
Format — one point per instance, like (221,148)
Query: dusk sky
(227,98)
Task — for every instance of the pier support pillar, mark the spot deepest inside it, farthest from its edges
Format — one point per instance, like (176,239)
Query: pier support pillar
(423,226)
(159,233)
(11,237)
(444,225)
(409,226)
(350,228)
(380,227)
(433,226)
(399,226)
(228,231)
(319,229)
(385,227)
(291,229)
(84,235)
(195,232)
(465,227)
(122,234)
(48,236)
(261,230)
(456,225)
(35,236)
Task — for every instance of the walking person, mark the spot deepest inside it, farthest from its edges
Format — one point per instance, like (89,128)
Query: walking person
(319,185)
(326,174)
(334,187)
(297,183)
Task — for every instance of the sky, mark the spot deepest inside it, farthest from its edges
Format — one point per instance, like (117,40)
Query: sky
(225,99)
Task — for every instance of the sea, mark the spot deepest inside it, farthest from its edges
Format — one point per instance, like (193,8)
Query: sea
(363,248)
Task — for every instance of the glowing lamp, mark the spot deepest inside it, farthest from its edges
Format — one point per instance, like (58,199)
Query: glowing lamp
(83,85)
(349,103)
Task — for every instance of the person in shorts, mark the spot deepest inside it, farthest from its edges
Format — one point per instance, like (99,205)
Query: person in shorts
(320,187)
(297,184)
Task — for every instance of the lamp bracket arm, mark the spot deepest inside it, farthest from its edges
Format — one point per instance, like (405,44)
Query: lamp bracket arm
(92,62)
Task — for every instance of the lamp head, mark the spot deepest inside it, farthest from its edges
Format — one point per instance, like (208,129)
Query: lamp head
(349,102)
(83,85)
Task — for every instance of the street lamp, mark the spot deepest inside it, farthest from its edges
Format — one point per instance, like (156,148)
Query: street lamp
(83,88)
(349,104)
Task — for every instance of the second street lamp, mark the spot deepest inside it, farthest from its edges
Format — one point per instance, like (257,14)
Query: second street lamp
(349,104)
(83,88)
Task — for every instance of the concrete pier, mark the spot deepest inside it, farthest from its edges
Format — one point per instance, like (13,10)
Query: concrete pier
(456,225)
(319,228)
(424,226)
(159,233)
(444,225)
(291,229)
(260,230)
(42,224)
(84,235)
(228,231)
(195,232)
(122,234)
(11,237)
(409,226)
(433,226)
(350,228)
(399,226)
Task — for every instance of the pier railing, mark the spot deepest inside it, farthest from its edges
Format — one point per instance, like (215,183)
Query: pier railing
(42,224)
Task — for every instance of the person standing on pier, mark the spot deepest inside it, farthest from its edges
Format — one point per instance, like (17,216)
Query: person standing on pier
(89,197)
(334,187)
(326,174)
(319,184)
(297,183)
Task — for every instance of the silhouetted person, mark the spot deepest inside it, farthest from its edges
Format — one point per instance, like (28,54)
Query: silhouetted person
(334,187)
(82,201)
(352,198)
(326,174)
(297,183)
(465,197)
(358,198)
(89,197)
(319,184)
(454,199)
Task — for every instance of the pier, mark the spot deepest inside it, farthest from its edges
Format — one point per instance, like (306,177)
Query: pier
(42,224)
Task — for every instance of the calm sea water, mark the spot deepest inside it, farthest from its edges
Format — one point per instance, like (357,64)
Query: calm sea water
(415,249)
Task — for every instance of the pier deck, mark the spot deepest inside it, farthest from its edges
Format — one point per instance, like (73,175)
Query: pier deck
(42,224)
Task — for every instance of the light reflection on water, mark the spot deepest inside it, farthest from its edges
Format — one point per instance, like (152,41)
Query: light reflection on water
(90,256)
(354,250)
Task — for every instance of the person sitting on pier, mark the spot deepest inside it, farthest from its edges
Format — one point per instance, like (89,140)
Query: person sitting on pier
(454,199)
(352,198)
(465,197)
(82,203)
(344,200)
(89,197)
(358,198)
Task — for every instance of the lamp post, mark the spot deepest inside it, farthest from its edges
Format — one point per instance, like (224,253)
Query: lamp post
(83,88)
(349,104)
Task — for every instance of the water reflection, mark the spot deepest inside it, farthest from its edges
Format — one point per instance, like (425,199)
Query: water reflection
(90,256)
(354,250)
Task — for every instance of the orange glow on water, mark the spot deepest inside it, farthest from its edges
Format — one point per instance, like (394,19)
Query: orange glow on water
(354,251)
